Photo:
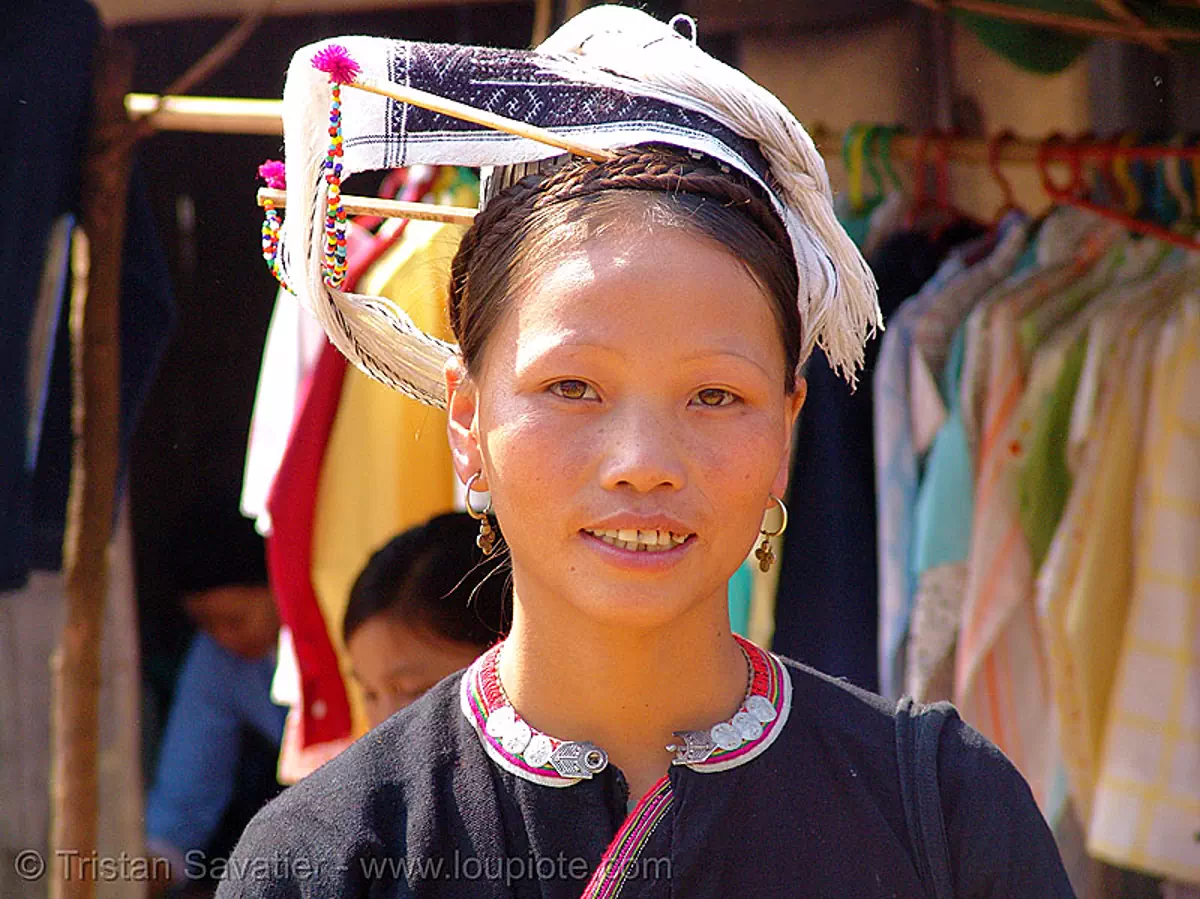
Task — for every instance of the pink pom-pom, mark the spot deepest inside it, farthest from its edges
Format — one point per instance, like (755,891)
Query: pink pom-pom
(336,61)
(273,173)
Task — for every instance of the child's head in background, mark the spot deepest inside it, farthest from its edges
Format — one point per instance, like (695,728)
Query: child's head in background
(415,615)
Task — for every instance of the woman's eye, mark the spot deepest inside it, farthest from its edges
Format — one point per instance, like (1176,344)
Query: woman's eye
(572,390)
(715,396)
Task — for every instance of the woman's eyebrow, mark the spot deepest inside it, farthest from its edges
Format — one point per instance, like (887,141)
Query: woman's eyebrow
(706,355)
(562,343)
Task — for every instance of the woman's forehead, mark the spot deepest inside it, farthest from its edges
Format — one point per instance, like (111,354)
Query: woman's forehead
(665,292)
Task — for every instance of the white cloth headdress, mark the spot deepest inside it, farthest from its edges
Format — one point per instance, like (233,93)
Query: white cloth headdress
(613,77)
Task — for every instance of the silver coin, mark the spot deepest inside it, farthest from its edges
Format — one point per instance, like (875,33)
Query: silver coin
(725,736)
(761,709)
(748,728)
(537,753)
(517,737)
(500,721)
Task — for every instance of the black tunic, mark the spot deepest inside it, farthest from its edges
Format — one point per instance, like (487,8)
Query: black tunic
(417,807)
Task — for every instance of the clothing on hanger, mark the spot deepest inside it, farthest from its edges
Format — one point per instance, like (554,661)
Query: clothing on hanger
(897,454)
(941,509)
(47,81)
(1147,791)
(945,499)
(310,667)
(1084,590)
(896,479)
(1038,541)
(1000,679)
(292,507)
(294,341)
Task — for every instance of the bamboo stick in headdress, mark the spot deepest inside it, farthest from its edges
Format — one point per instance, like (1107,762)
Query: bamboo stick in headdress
(396,209)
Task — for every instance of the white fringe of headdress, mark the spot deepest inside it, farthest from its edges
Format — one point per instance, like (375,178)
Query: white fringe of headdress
(838,304)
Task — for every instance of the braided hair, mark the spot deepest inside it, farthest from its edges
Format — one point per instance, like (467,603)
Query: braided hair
(689,191)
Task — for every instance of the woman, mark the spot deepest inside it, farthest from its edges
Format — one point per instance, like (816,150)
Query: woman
(421,609)
(630,329)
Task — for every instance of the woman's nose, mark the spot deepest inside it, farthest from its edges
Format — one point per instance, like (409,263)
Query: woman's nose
(642,450)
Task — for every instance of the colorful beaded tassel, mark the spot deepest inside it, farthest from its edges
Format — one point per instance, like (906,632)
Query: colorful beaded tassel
(335,213)
(272,172)
(337,63)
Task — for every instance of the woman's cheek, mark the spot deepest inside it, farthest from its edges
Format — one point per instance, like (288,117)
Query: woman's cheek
(744,450)
(533,450)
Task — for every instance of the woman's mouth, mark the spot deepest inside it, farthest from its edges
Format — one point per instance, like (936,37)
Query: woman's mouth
(652,541)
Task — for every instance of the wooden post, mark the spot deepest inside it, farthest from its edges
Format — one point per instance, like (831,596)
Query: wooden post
(95,356)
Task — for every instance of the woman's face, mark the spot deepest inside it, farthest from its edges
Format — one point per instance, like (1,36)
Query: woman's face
(634,387)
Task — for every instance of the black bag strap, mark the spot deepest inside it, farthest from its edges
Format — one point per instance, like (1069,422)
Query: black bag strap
(918,731)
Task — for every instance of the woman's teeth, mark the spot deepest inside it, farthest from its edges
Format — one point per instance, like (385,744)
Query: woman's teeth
(640,541)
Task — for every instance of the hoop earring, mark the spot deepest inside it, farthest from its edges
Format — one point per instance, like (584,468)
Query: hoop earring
(486,540)
(765,554)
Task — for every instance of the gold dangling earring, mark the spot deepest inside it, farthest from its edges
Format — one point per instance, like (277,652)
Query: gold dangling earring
(765,554)
(486,540)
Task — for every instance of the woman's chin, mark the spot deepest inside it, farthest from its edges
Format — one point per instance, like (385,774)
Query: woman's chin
(627,608)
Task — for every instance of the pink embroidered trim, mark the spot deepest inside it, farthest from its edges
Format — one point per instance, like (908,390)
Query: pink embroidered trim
(620,858)
(482,696)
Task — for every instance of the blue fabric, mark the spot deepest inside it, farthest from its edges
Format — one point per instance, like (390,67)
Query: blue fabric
(945,505)
(896,479)
(218,695)
(45,87)
(741,592)
(945,500)
(45,96)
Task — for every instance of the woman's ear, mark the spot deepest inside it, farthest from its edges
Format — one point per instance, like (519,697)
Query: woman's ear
(462,406)
(795,404)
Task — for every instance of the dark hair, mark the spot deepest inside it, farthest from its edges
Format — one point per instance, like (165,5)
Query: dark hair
(430,578)
(213,545)
(540,212)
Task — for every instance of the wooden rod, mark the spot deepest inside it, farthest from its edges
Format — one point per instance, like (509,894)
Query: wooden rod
(216,57)
(214,115)
(1062,21)
(1117,9)
(396,209)
(454,109)
(95,357)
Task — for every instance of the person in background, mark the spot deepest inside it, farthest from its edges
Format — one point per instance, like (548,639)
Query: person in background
(216,762)
(421,609)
